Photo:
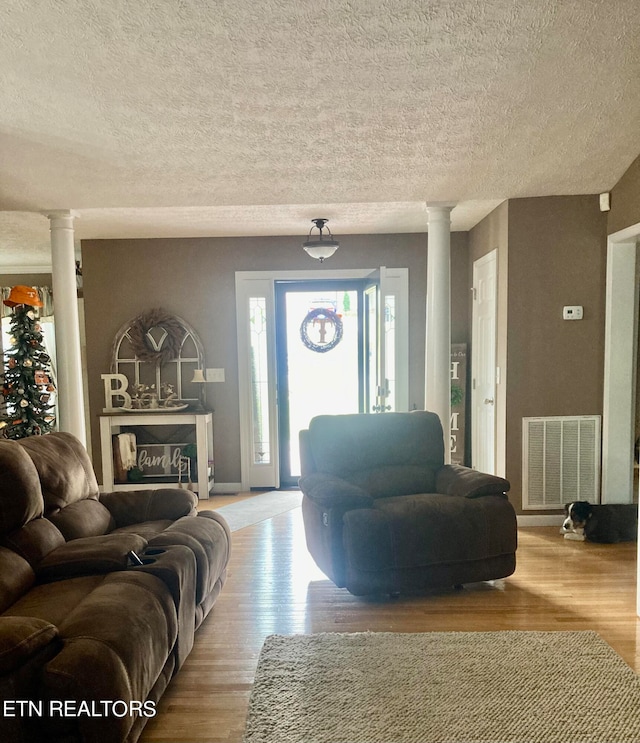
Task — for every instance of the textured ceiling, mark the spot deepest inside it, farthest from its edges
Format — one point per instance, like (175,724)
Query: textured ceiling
(244,117)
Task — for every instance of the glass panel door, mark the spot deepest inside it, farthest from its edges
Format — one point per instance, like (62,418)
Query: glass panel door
(371,326)
(379,312)
(319,360)
(256,380)
(261,395)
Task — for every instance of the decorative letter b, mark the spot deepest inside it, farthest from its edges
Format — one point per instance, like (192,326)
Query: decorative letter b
(110,393)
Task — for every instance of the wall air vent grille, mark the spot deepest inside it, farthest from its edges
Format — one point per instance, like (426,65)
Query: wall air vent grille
(560,461)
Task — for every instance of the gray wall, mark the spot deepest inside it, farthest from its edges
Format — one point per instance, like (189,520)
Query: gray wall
(551,253)
(195,279)
(557,257)
(625,200)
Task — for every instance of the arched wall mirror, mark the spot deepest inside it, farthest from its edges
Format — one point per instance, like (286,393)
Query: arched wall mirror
(159,353)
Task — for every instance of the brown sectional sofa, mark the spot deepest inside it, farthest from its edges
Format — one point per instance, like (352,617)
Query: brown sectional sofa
(89,639)
(383,514)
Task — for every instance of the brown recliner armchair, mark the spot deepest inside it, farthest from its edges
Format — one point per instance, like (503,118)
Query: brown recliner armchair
(383,514)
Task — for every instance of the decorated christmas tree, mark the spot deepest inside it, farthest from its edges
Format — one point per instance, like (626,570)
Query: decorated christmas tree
(27,386)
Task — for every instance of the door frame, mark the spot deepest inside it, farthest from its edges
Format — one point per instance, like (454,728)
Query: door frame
(620,369)
(247,282)
(620,362)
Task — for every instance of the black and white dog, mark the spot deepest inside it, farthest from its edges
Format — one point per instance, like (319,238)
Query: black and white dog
(607,523)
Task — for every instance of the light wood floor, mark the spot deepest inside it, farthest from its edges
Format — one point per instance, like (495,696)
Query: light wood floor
(273,587)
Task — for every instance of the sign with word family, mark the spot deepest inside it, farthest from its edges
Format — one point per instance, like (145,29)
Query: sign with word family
(458,401)
(161,460)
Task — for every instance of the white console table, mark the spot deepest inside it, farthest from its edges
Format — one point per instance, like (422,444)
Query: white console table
(203,424)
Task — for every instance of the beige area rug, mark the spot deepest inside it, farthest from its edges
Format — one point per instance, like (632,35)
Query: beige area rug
(443,687)
(259,507)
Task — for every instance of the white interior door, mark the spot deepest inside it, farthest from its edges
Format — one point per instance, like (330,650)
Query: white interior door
(483,363)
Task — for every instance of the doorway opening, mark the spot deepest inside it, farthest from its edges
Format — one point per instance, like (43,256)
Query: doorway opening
(384,307)
(322,359)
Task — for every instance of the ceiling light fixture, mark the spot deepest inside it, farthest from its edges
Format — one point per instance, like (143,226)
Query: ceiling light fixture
(322,247)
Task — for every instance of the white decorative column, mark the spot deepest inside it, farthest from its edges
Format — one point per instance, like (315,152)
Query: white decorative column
(438,340)
(69,365)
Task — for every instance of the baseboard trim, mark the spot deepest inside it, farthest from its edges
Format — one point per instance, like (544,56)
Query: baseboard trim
(549,520)
(226,488)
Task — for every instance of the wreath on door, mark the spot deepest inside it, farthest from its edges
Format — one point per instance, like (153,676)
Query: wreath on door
(323,317)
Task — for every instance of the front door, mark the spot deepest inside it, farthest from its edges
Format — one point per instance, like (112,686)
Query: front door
(263,391)
(320,370)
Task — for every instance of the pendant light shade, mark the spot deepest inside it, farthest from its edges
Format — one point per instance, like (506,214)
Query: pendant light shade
(322,246)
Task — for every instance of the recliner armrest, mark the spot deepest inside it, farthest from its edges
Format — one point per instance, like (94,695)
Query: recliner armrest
(329,491)
(136,506)
(454,479)
(89,556)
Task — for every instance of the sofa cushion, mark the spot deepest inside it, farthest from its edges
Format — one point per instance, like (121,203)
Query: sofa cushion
(133,507)
(16,578)
(84,518)
(394,479)
(54,601)
(329,491)
(65,470)
(419,530)
(146,529)
(35,540)
(21,638)
(19,481)
(345,444)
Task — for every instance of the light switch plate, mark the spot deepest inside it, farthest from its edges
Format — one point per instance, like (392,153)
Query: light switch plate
(214,375)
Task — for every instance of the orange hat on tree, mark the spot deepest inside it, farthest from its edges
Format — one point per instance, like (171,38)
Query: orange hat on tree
(23,295)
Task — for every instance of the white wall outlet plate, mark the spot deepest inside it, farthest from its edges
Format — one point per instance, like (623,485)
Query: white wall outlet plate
(214,375)
(572,312)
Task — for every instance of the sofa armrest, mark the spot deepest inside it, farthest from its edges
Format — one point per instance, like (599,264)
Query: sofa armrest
(329,491)
(136,506)
(90,556)
(454,479)
(21,638)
